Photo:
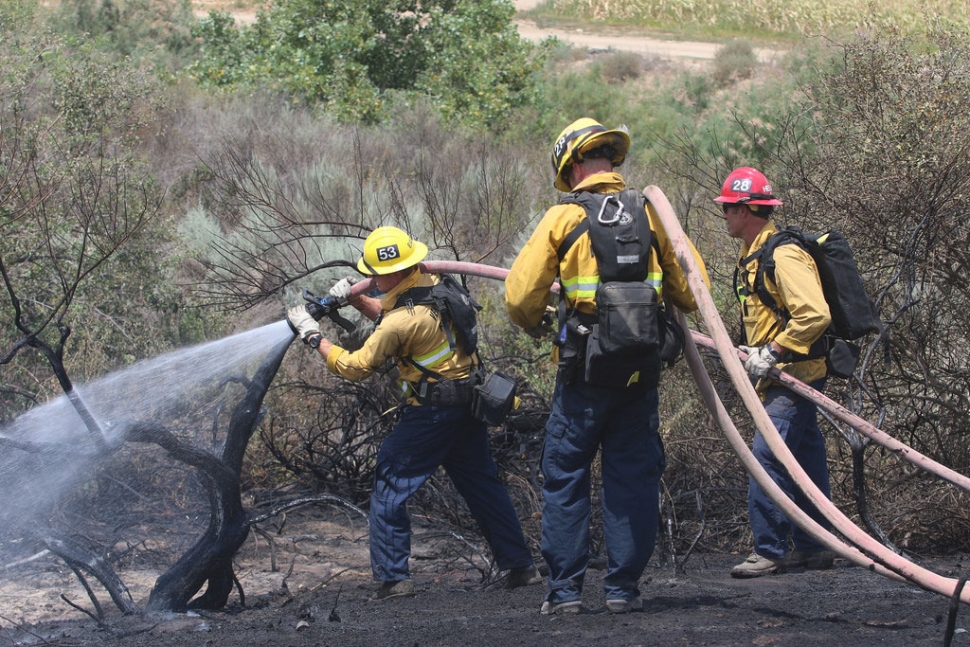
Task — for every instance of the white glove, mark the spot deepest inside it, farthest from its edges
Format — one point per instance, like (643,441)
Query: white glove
(301,321)
(341,289)
(760,360)
(545,328)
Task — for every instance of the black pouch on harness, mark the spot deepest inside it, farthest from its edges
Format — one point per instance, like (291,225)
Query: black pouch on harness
(445,392)
(631,321)
(671,338)
(842,357)
(572,347)
(619,370)
(627,313)
(494,399)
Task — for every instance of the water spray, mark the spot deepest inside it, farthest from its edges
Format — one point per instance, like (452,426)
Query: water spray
(50,449)
(95,430)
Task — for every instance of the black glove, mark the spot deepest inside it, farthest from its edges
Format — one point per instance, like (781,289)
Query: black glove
(546,328)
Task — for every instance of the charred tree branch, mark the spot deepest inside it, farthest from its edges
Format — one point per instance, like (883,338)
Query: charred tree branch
(81,559)
(209,560)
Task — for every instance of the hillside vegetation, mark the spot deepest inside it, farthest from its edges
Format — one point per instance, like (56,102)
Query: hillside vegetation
(760,19)
(235,163)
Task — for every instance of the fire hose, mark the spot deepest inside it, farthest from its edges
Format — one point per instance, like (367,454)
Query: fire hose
(877,557)
(866,552)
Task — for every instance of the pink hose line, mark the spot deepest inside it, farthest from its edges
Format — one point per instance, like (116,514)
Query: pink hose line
(863,426)
(892,562)
(449,267)
(751,464)
(888,563)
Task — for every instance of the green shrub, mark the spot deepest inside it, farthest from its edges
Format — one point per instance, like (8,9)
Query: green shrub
(621,66)
(347,56)
(735,61)
(155,33)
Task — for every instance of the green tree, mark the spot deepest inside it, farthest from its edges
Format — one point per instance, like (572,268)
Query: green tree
(356,57)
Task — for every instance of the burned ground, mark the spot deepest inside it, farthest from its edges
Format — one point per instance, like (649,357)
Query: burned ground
(319,595)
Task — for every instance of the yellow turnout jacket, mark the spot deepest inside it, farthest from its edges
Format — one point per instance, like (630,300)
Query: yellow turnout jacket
(537,265)
(797,290)
(414,332)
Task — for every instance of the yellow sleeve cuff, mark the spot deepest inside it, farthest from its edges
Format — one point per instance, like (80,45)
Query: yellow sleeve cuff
(335,352)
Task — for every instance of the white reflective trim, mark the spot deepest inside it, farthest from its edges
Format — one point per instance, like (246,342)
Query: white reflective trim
(437,356)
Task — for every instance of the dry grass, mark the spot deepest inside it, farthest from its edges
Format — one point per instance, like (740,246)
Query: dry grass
(777,16)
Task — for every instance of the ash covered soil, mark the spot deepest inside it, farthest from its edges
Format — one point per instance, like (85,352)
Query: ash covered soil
(320,593)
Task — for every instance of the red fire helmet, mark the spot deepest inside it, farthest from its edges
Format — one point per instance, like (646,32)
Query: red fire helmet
(747,185)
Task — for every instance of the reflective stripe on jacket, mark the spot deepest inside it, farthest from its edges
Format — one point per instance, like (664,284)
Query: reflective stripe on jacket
(403,332)
(797,290)
(537,265)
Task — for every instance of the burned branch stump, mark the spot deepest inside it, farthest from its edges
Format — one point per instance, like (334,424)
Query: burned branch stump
(209,560)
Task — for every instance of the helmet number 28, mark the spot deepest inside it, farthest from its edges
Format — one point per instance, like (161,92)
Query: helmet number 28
(390,252)
(741,184)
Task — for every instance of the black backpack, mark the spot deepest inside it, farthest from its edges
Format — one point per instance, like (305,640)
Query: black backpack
(632,334)
(622,238)
(491,394)
(454,305)
(853,312)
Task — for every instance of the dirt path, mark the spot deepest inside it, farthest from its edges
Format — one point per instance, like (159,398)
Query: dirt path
(617,40)
(626,43)
(637,44)
(599,41)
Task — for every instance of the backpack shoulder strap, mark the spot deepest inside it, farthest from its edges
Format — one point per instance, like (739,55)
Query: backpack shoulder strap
(424,296)
(458,310)
(589,202)
(571,238)
(446,295)
(766,264)
(418,296)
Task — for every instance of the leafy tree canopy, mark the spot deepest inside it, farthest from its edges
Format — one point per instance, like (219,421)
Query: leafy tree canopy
(356,57)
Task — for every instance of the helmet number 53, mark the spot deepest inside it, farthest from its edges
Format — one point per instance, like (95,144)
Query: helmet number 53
(388,253)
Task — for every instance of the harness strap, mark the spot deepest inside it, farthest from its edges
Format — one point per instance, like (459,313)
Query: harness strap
(571,238)
(564,313)
(444,391)
(821,346)
(581,229)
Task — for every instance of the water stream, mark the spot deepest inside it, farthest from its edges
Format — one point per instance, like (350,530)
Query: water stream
(168,390)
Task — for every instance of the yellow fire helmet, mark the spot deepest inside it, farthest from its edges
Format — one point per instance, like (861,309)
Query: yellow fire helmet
(388,250)
(580,136)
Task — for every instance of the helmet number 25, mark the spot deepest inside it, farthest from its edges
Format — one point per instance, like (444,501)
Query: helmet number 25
(388,253)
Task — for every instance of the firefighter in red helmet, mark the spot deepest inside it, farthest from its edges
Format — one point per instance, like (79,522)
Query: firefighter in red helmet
(748,202)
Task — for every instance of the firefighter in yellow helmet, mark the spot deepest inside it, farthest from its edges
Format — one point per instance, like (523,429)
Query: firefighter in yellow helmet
(436,426)
(588,413)
(580,137)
